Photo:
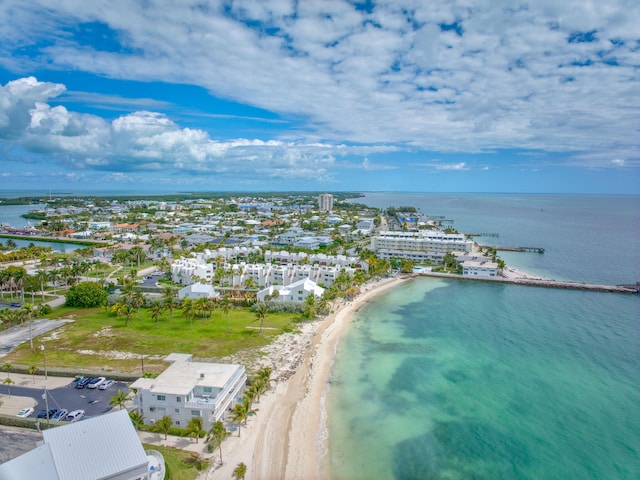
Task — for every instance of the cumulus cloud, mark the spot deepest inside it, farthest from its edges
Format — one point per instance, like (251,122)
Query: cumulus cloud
(444,77)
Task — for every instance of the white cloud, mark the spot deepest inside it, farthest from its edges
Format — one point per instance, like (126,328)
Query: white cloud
(514,78)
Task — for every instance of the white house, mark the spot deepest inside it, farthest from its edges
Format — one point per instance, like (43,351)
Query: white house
(472,268)
(296,292)
(188,389)
(198,290)
(105,447)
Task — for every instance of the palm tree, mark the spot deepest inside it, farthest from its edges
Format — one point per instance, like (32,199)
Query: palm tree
(194,428)
(157,309)
(137,419)
(261,314)
(189,309)
(225,305)
(32,371)
(168,295)
(6,367)
(215,436)
(27,310)
(240,471)
(42,277)
(164,425)
(118,400)
(310,310)
(241,412)
(123,309)
(8,382)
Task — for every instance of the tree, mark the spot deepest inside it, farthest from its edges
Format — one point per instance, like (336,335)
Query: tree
(241,412)
(118,400)
(164,425)
(225,305)
(137,419)
(189,309)
(310,309)
(123,309)
(157,309)
(261,314)
(215,436)
(8,382)
(32,371)
(86,294)
(240,471)
(168,299)
(194,427)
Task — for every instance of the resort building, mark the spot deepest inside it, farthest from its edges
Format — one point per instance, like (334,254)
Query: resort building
(188,389)
(106,447)
(198,290)
(296,292)
(486,269)
(325,202)
(423,246)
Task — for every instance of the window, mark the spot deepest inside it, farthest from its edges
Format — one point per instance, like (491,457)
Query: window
(177,422)
(178,399)
(195,413)
(161,409)
(176,410)
(162,397)
(207,389)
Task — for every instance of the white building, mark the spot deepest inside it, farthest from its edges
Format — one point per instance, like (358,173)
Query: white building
(188,389)
(325,202)
(105,447)
(472,268)
(296,292)
(198,290)
(422,246)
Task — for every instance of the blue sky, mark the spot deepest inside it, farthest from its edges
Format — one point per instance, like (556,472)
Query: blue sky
(332,95)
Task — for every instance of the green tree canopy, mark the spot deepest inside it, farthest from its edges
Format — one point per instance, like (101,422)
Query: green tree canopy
(86,294)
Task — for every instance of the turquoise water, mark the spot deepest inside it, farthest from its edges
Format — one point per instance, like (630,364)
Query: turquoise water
(443,379)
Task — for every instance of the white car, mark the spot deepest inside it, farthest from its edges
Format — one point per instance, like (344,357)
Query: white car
(75,415)
(25,412)
(95,382)
(106,384)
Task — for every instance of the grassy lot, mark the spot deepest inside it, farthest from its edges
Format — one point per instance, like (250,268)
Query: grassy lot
(176,462)
(98,340)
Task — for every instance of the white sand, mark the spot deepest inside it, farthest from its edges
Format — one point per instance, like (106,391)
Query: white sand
(287,438)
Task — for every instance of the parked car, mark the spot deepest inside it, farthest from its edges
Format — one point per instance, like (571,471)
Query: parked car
(25,412)
(75,415)
(60,414)
(47,413)
(15,304)
(106,384)
(95,382)
(83,382)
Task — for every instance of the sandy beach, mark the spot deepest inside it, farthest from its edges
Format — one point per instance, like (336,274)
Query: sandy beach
(286,439)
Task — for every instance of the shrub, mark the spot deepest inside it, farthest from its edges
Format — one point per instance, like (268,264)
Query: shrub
(86,294)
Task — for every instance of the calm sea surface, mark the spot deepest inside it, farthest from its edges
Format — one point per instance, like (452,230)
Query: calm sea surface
(443,379)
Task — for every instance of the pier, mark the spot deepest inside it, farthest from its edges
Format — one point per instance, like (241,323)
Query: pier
(515,249)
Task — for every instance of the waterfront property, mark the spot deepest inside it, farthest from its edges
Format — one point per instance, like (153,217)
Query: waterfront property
(106,447)
(480,269)
(296,292)
(421,246)
(188,389)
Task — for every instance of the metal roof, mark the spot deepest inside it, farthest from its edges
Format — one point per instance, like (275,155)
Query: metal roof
(97,448)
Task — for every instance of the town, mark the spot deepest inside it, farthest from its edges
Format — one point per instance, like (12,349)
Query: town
(279,261)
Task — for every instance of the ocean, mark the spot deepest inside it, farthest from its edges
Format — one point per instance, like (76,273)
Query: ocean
(451,379)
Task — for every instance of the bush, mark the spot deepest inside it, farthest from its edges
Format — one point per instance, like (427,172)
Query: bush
(86,294)
(45,309)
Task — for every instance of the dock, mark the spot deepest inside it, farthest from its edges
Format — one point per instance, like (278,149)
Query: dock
(515,249)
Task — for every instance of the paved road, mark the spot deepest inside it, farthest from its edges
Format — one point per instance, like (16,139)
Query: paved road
(11,338)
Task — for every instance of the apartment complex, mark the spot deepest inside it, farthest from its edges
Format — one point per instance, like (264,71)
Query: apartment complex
(325,202)
(188,389)
(423,246)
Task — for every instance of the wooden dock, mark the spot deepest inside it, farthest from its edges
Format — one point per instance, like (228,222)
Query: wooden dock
(515,249)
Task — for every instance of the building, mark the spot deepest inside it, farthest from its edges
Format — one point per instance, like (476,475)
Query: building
(106,447)
(296,292)
(325,202)
(484,269)
(424,246)
(188,389)
(198,290)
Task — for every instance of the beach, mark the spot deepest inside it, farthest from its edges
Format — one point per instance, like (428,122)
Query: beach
(287,437)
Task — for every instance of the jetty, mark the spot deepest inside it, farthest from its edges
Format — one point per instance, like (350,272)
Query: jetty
(541,282)
(515,249)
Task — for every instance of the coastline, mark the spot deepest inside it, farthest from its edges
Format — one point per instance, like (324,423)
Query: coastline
(287,437)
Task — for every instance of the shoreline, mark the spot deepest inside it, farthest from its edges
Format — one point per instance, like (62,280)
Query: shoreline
(287,438)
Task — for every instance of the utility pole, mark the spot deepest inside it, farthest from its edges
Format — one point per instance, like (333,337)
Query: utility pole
(45,361)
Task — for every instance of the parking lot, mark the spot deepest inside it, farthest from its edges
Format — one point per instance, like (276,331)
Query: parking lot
(94,402)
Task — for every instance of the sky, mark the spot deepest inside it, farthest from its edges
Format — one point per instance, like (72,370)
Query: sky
(320,95)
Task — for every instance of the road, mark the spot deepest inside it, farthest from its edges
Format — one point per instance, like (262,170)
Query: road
(12,337)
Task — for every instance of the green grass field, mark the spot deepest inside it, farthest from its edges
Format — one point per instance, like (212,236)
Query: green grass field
(98,340)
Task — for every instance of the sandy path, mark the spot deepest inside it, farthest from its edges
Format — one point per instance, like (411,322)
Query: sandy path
(287,438)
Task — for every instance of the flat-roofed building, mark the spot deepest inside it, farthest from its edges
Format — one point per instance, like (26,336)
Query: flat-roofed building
(325,202)
(188,389)
(472,268)
(421,246)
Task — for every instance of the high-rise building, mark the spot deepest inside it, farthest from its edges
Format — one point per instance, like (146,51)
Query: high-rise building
(325,202)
